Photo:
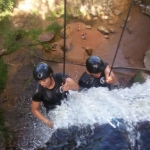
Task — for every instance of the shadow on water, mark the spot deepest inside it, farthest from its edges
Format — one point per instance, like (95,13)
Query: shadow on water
(87,138)
(100,138)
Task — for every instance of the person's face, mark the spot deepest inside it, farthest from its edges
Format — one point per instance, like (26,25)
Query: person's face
(45,82)
(96,75)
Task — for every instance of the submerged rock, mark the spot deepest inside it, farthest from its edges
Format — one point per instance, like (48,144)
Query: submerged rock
(102,137)
(85,138)
(143,128)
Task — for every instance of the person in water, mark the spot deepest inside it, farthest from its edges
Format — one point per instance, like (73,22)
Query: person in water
(97,74)
(50,90)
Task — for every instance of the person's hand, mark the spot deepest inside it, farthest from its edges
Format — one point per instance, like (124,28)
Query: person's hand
(109,80)
(65,87)
(50,124)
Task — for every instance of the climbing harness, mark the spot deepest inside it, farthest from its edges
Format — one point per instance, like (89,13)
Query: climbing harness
(121,35)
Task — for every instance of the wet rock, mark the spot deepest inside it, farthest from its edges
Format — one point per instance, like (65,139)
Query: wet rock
(128,20)
(147,59)
(88,27)
(103,30)
(122,26)
(106,36)
(111,21)
(95,18)
(67,139)
(68,32)
(5,98)
(140,77)
(112,30)
(144,131)
(88,50)
(138,2)
(3,51)
(102,137)
(46,37)
(53,46)
(142,6)
(75,15)
(117,12)
(115,139)
(129,30)
(147,10)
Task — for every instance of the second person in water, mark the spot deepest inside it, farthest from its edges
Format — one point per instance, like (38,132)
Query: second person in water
(97,74)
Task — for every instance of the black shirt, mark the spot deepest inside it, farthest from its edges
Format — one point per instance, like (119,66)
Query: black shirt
(50,97)
(88,81)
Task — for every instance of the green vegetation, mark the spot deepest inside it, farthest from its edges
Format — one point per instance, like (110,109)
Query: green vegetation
(79,13)
(11,39)
(3,74)
(4,25)
(5,8)
(46,46)
(54,27)
(53,17)
(3,130)
(33,33)
(35,12)
(14,39)
(68,16)
(138,78)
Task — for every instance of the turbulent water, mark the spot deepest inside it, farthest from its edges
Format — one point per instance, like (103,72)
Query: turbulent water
(100,106)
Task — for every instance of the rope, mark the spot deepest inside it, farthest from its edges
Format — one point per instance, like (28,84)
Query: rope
(64,47)
(121,35)
(64,50)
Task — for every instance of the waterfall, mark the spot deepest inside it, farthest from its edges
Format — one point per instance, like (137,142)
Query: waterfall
(99,105)
(117,108)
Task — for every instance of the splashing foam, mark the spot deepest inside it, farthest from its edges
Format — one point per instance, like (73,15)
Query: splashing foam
(98,105)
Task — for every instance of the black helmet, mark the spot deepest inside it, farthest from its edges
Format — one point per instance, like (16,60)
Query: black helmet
(94,64)
(42,71)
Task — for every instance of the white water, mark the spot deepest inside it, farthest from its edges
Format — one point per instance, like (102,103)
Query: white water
(98,105)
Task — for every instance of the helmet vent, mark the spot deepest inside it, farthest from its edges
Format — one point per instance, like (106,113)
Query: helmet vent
(39,75)
(44,67)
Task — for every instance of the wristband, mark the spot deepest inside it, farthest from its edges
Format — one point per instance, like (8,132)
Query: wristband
(60,89)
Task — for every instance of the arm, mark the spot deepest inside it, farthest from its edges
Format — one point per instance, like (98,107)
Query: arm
(39,115)
(70,85)
(110,78)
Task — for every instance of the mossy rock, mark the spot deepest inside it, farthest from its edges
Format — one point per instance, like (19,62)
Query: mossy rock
(140,77)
